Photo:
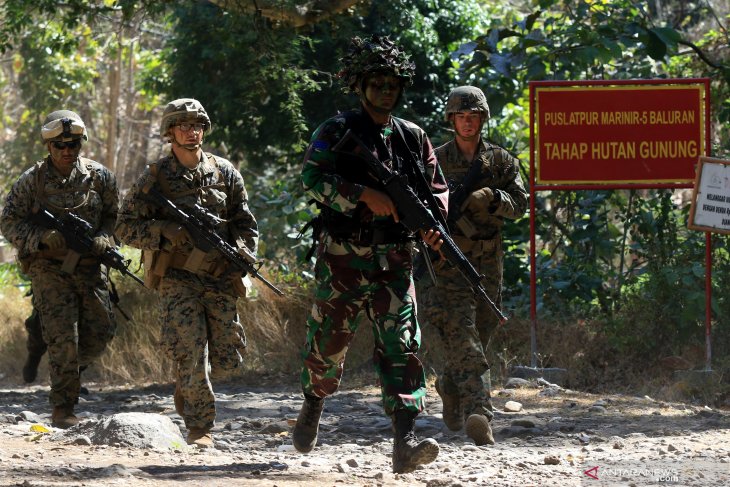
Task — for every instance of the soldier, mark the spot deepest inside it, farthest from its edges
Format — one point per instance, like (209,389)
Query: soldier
(495,192)
(71,295)
(201,332)
(364,255)
(35,345)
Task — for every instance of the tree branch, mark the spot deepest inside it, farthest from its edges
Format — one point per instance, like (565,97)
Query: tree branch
(701,54)
(297,16)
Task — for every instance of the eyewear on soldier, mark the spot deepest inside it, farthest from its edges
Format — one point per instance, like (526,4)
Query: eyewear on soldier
(74,144)
(187,127)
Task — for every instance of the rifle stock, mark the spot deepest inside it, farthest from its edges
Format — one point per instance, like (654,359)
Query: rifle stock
(206,238)
(415,215)
(76,231)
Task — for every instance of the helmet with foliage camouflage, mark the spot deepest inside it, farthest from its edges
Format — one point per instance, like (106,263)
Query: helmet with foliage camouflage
(63,126)
(182,110)
(375,55)
(466,99)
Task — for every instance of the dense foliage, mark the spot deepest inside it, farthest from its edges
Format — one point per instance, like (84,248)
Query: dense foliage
(623,258)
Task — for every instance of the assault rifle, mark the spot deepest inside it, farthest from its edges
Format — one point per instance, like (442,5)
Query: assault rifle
(198,224)
(77,233)
(414,215)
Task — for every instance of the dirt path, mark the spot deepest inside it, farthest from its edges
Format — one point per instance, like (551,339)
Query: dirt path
(559,438)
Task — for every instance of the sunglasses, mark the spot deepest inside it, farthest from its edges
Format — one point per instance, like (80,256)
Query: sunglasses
(74,144)
(186,127)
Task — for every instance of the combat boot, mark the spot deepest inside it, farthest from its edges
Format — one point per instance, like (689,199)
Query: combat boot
(179,400)
(30,368)
(478,429)
(452,413)
(200,437)
(408,451)
(304,436)
(63,417)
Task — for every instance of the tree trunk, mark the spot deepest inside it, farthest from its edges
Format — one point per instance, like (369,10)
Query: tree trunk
(115,82)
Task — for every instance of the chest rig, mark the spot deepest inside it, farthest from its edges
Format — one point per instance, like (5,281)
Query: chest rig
(361,228)
(41,199)
(195,260)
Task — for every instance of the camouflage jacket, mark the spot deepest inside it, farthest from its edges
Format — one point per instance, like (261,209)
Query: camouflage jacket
(214,184)
(90,192)
(337,181)
(500,172)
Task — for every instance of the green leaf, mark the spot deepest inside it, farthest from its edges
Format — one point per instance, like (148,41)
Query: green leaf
(655,46)
(501,63)
(464,49)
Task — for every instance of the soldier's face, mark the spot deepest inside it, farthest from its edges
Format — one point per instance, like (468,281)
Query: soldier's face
(188,132)
(382,91)
(64,154)
(467,124)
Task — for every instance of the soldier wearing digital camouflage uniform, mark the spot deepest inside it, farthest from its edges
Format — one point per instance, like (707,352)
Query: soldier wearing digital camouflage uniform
(70,290)
(464,323)
(364,255)
(201,331)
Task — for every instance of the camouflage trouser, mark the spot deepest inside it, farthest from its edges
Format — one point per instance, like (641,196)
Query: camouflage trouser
(202,335)
(35,343)
(465,325)
(77,320)
(353,281)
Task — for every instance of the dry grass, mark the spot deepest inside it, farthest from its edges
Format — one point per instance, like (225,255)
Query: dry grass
(14,308)
(275,329)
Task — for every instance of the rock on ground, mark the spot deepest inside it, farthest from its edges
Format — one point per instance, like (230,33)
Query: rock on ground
(131,436)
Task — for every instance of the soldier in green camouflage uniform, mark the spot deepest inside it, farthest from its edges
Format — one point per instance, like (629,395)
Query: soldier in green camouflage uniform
(464,323)
(72,298)
(201,331)
(364,256)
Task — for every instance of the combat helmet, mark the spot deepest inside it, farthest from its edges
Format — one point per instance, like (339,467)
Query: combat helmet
(466,99)
(377,54)
(183,109)
(63,126)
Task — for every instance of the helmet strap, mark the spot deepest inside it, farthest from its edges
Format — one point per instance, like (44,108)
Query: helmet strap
(188,147)
(473,137)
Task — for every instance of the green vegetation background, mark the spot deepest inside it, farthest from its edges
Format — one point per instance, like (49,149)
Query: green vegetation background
(620,277)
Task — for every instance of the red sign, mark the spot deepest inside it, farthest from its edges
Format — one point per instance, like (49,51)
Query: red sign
(643,132)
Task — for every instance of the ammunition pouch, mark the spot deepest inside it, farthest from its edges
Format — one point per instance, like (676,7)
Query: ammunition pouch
(475,248)
(69,259)
(157,262)
(351,229)
(241,285)
(365,236)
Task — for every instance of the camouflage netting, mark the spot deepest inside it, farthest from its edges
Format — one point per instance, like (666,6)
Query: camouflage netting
(377,54)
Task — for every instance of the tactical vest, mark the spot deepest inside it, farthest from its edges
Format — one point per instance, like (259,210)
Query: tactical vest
(157,262)
(357,228)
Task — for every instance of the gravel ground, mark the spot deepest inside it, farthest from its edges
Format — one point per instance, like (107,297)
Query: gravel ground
(558,437)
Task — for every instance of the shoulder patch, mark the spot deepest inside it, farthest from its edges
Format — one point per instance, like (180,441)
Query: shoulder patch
(320,145)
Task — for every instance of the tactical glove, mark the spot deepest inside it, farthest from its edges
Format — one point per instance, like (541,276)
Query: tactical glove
(479,200)
(53,240)
(249,256)
(176,234)
(101,244)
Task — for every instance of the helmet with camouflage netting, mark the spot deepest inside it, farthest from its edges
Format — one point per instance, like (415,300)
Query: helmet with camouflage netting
(63,126)
(375,55)
(466,99)
(183,110)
